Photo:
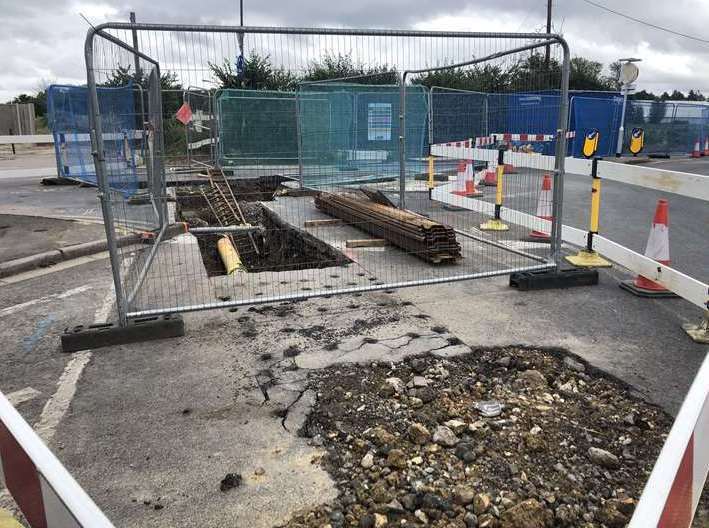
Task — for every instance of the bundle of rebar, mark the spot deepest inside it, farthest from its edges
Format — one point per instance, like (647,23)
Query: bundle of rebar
(417,235)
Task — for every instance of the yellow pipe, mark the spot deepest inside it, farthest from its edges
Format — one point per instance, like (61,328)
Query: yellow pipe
(229,255)
(498,194)
(430,172)
(595,204)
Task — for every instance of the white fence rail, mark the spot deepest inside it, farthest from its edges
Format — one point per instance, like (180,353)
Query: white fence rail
(47,494)
(674,488)
(686,184)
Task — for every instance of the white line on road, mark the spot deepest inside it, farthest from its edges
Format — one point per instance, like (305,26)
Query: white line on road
(22,395)
(56,407)
(19,307)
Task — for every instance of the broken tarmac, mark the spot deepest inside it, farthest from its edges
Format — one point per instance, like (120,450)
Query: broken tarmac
(154,428)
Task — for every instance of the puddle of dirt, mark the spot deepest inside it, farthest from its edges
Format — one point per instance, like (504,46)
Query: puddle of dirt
(278,247)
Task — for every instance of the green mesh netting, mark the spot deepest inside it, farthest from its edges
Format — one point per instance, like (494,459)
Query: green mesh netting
(256,127)
(350,132)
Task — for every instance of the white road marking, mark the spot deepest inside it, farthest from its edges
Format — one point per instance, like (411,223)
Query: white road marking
(22,395)
(56,407)
(19,307)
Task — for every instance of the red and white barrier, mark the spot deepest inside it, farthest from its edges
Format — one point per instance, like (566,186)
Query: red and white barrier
(529,138)
(492,139)
(47,494)
(672,492)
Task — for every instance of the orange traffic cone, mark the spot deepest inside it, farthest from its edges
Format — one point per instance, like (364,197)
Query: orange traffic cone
(544,207)
(657,248)
(465,182)
(510,169)
(705,152)
(696,153)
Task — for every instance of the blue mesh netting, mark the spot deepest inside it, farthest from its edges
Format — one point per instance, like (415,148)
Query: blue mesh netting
(68,119)
(587,113)
(350,132)
(458,115)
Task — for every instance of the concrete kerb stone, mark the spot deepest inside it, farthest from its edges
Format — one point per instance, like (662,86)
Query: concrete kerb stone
(47,258)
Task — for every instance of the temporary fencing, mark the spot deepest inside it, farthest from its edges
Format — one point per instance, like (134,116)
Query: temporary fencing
(68,119)
(369,126)
(45,492)
(675,182)
(350,132)
(256,127)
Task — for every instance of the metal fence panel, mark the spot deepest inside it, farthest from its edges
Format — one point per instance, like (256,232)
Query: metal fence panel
(297,198)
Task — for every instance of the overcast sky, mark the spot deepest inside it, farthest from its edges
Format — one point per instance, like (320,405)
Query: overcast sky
(42,40)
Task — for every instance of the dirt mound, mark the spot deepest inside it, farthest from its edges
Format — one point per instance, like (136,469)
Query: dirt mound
(507,438)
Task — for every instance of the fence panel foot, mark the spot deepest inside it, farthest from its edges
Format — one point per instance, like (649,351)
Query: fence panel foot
(553,279)
(108,334)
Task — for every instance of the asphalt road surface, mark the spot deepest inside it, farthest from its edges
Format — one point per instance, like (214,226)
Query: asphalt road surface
(161,423)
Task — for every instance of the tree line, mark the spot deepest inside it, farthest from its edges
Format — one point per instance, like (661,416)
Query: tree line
(531,73)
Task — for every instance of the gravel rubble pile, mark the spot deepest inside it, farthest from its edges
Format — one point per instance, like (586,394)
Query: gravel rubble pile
(505,438)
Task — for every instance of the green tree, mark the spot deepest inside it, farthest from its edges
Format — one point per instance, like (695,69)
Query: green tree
(343,66)
(39,99)
(487,78)
(259,74)
(643,95)
(588,74)
(695,95)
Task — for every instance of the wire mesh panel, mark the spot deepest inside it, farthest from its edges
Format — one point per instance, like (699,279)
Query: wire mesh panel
(256,127)
(589,113)
(457,114)
(670,127)
(314,173)
(350,132)
(68,119)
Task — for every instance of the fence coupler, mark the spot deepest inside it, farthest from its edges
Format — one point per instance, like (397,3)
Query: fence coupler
(553,279)
(108,334)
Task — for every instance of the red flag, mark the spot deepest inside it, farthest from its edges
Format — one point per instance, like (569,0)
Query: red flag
(184,114)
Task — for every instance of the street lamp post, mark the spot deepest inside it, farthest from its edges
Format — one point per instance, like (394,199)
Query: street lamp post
(628,74)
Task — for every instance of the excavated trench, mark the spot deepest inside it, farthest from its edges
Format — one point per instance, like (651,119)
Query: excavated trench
(281,247)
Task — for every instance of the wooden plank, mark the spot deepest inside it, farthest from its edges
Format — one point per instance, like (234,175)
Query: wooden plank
(322,222)
(366,242)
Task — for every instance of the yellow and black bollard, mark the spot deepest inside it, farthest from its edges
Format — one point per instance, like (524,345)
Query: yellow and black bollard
(430,175)
(496,223)
(588,258)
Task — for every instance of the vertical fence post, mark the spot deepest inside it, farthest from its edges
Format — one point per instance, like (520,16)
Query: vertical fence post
(402,141)
(299,139)
(102,177)
(558,192)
